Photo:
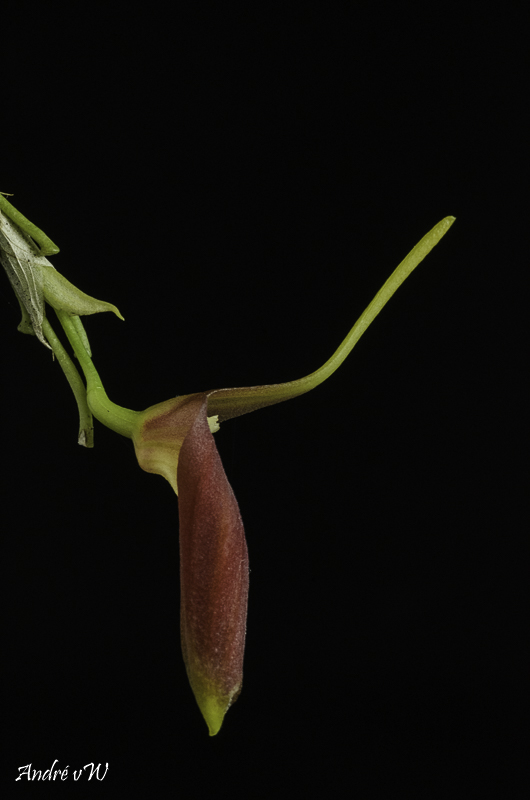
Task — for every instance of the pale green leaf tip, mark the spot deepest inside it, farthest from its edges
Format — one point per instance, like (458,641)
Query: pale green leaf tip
(447,222)
(113,308)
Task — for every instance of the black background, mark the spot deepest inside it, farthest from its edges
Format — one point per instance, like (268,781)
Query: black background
(240,183)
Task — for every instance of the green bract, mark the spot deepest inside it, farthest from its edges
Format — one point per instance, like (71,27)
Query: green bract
(36,282)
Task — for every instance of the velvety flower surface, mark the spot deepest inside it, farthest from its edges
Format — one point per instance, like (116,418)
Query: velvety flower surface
(174,439)
(213,574)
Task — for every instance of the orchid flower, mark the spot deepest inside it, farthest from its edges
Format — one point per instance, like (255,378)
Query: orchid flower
(175,439)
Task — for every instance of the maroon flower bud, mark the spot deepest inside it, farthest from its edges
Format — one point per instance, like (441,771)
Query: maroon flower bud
(174,439)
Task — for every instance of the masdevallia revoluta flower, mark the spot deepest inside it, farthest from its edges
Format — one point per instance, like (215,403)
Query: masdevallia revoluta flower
(175,439)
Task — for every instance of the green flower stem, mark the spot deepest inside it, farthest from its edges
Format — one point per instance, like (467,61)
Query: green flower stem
(402,271)
(228,403)
(122,420)
(86,427)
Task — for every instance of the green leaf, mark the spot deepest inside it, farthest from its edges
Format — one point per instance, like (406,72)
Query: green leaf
(36,281)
